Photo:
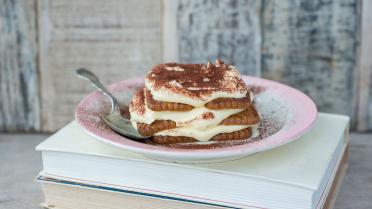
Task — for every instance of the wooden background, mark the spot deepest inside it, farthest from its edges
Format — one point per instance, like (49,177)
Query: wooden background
(320,47)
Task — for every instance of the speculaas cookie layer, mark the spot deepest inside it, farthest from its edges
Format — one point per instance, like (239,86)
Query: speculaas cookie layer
(156,126)
(229,103)
(217,104)
(237,135)
(247,117)
(165,106)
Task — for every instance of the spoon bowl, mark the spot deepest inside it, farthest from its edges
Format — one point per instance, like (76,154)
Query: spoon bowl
(122,125)
(114,120)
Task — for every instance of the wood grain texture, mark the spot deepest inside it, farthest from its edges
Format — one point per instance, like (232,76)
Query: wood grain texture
(115,39)
(229,30)
(311,45)
(19,94)
(170,30)
(364,113)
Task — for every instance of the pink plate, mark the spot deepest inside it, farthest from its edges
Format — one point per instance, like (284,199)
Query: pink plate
(286,114)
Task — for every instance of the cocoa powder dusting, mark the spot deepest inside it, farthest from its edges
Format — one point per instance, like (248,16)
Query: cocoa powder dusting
(207,116)
(256,89)
(196,80)
(137,102)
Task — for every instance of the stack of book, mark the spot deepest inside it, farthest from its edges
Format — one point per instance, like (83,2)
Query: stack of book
(81,172)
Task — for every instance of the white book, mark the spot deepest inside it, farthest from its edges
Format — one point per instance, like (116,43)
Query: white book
(296,175)
(63,195)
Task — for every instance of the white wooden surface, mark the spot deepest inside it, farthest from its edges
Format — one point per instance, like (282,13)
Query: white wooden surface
(19,90)
(229,30)
(311,45)
(115,39)
(364,111)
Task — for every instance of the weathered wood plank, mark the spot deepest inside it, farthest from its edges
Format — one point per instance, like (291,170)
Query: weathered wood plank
(365,69)
(19,94)
(116,39)
(229,30)
(170,30)
(311,45)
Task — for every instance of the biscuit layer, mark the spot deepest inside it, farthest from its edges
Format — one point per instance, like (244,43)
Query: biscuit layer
(164,106)
(216,104)
(237,135)
(229,103)
(155,127)
(247,117)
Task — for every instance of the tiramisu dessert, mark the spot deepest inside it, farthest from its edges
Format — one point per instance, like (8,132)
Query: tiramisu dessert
(194,102)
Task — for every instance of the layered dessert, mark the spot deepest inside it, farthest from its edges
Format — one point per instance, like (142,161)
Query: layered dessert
(183,103)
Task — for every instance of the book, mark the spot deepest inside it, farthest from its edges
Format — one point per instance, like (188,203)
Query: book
(292,176)
(61,194)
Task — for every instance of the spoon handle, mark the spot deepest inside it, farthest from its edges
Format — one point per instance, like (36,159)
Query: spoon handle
(88,75)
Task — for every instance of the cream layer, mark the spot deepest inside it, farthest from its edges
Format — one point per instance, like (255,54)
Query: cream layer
(203,135)
(165,95)
(195,117)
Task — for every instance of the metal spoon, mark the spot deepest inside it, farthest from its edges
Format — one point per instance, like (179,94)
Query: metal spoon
(114,120)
